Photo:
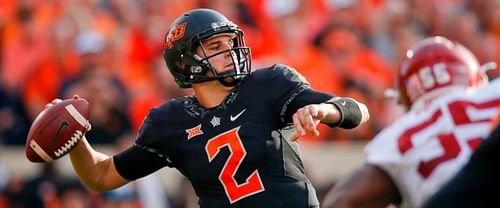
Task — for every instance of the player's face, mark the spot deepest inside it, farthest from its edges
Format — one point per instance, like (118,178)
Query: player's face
(223,61)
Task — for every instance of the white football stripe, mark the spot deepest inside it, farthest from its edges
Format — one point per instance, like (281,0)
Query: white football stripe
(76,115)
(39,151)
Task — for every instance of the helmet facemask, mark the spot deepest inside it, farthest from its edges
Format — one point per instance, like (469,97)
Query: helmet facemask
(199,68)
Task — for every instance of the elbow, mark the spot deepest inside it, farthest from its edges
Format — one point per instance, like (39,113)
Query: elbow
(104,180)
(101,186)
(338,202)
(346,202)
(98,186)
(343,203)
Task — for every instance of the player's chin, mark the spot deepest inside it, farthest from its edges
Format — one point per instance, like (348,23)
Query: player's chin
(230,80)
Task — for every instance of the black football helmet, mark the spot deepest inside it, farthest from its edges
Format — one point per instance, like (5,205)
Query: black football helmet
(185,35)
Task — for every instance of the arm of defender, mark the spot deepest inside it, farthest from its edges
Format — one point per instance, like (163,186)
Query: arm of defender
(368,187)
(96,170)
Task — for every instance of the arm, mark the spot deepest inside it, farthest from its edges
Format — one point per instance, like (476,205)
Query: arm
(368,186)
(342,112)
(96,170)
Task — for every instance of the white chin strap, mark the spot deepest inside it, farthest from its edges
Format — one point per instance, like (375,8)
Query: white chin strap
(485,68)
(488,66)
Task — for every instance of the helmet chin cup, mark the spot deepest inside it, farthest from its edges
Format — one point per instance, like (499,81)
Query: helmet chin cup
(229,81)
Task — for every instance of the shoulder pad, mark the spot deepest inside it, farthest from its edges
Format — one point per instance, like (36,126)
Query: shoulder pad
(277,72)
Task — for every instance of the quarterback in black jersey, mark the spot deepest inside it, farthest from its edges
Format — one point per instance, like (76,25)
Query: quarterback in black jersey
(234,139)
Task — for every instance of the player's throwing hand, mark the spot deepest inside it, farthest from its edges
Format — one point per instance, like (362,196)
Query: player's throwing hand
(308,117)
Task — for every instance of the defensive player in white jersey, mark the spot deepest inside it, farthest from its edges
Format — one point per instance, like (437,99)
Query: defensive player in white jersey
(450,105)
(477,184)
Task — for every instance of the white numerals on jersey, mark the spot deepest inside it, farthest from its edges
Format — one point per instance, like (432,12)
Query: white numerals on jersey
(427,78)
(441,74)
(430,75)
(460,114)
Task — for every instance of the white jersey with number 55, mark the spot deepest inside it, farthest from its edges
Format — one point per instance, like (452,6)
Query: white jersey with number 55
(427,146)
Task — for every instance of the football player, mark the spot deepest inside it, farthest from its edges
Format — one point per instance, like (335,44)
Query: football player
(477,184)
(450,104)
(234,139)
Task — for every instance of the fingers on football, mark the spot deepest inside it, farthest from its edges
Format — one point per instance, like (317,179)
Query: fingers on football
(88,126)
(53,102)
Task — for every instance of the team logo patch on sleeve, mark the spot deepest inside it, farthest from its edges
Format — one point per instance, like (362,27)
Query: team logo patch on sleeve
(195,131)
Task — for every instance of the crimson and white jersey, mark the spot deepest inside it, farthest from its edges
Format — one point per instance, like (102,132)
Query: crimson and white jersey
(427,146)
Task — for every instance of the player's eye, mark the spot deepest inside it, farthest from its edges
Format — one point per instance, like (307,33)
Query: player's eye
(214,47)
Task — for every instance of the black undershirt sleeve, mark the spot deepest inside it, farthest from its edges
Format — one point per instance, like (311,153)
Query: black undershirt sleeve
(350,111)
(137,162)
(305,98)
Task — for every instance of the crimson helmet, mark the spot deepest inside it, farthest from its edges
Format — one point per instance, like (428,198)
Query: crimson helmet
(436,63)
(185,35)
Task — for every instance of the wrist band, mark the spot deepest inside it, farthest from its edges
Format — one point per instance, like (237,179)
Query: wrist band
(350,114)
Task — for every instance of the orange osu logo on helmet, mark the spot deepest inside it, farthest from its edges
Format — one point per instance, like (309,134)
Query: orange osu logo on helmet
(176,33)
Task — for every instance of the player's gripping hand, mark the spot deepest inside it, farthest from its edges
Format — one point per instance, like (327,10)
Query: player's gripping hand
(88,126)
(57,129)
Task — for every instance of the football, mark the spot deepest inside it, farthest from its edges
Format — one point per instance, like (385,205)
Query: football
(57,129)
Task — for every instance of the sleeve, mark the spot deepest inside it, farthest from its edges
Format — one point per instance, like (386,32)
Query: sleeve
(383,152)
(291,91)
(142,158)
(305,98)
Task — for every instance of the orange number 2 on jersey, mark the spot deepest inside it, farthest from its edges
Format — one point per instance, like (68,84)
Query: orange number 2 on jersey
(234,191)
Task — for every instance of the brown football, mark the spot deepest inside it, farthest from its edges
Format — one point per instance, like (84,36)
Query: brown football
(57,129)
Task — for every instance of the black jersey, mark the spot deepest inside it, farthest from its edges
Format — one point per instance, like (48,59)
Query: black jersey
(237,154)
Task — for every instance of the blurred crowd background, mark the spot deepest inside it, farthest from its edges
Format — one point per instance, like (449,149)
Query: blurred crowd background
(110,52)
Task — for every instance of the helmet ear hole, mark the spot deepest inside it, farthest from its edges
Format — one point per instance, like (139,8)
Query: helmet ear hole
(180,64)
(196,69)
